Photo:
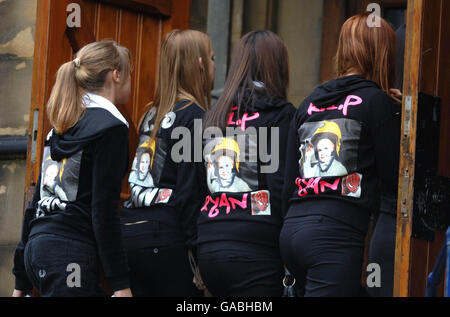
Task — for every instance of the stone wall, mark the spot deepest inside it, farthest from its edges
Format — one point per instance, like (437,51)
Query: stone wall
(17,24)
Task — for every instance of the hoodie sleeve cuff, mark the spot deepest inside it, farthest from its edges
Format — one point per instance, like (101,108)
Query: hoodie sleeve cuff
(23,284)
(119,283)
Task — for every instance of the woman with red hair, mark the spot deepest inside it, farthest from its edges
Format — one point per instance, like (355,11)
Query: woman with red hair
(328,211)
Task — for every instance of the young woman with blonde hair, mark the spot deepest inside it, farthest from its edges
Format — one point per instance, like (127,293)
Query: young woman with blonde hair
(159,218)
(72,224)
(322,240)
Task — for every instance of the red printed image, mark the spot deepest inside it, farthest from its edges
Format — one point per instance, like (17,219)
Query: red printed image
(261,203)
(163,196)
(351,185)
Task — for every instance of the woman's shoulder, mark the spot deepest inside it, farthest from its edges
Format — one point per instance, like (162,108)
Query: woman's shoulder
(188,106)
(185,112)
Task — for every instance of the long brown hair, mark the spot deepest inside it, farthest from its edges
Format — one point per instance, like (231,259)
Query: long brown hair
(261,56)
(368,51)
(87,73)
(180,74)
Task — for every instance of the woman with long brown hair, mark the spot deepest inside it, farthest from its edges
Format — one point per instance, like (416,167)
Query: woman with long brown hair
(159,218)
(240,221)
(72,227)
(350,120)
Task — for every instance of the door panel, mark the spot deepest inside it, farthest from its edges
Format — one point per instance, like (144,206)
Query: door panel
(137,24)
(433,81)
(151,7)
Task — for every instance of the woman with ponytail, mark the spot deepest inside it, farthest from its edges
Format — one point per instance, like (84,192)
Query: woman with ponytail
(71,227)
(159,218)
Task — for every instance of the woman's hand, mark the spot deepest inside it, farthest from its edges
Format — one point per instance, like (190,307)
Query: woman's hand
(395,92)
(18,293)
(123,293)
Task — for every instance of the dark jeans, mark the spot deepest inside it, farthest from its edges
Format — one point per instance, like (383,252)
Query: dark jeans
(238,274)
(382,252)
(324,255)
(161,272)
(62,267)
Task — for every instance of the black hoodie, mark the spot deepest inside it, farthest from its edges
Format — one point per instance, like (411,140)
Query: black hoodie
(165,201)
(79,187)
(242,207)
(343,142)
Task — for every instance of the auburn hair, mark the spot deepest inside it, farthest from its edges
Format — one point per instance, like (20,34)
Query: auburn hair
(261,56)
(95,60)
(180,74)
(367,51)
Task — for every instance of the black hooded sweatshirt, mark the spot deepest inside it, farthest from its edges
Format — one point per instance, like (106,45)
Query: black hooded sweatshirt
(165,201)
(242,208)
(343,152)
(79,187)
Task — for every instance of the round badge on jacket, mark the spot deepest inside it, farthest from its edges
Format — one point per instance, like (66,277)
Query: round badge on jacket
(169,120)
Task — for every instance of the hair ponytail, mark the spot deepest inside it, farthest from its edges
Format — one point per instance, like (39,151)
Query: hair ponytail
(64,106)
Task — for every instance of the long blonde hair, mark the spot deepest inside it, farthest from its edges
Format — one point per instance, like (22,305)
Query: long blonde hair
(180,75)
(369,51)
(87,73)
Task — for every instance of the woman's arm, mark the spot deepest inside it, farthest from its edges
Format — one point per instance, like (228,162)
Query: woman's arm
(110,162)
(385,129)
(276,180)
(190,191)
(23,284)
(292,166)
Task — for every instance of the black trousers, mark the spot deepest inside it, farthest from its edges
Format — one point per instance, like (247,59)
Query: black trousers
(161,272)
(62,267)
(240,274)
(382,252)
(324,255)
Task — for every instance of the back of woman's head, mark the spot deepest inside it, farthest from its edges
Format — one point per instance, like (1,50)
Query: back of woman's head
(261,56)
(367,50)
(183,72)
(86,74)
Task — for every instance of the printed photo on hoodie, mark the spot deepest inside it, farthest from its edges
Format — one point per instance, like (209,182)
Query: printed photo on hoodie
(228,166)
(141,169)
(150,155)
(261,203)
(148,165)
(60,179)
(329,148)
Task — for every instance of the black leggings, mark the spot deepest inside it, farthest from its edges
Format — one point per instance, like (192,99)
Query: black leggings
(324,255)
(239,274)
(55,264)
(382,252)
(161,272)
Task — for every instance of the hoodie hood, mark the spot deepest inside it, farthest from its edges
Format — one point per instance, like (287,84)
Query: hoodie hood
(257,99)
(332,91)
(99,116)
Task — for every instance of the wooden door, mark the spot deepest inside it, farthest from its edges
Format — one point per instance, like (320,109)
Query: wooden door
(140,25)
(426,71)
